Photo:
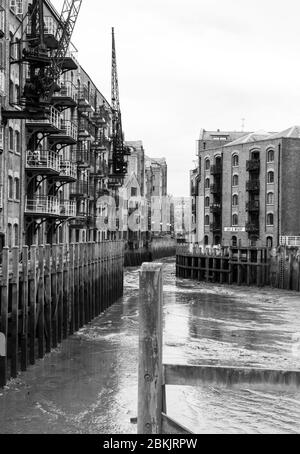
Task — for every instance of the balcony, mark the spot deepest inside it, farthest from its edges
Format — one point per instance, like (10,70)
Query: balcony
(67,209)
(215,227)
(68,133)
(68,171)
(82,158)
(51,35)
(215,208)
(216,170)
(100,117)
(253,206)
(85,101)
(86,131)
(70,62)
(101,171)
(252,228)
(253,165)
(215,189)
(42,207)
(253,186)
(52,122)
(42,163)
(79,189)
(80,221)
(66,96)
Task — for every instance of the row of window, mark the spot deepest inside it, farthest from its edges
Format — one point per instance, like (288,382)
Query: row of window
(12,235)
(235,200)
(14,140)
(235,220)
(234,241)
(13,188)
(236,160)
(236,180)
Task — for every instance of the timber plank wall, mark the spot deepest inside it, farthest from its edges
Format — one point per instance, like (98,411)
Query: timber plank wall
(49,292)
(278,268)
(159,248)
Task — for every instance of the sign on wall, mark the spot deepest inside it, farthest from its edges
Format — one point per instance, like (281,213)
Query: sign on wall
(235,229)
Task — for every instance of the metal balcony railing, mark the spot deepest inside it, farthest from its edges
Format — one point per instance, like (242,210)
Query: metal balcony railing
(47,206)
(253,205)
(216,170)
(42,161)
(253,165)
(67,209)
(69,128)
(86,99)
(215,208)
(80,189)
(51,27)
(68,169)
(67,90)
(215,227)
(215,188)
(253,186)
(53,119)
(252,227)
(81,157)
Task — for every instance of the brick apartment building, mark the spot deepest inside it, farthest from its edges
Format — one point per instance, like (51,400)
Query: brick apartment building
(246,190)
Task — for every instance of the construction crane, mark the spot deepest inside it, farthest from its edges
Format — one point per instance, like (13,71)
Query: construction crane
(44,66)
(119,151)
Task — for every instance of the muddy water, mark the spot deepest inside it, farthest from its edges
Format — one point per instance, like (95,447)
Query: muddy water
(89,385)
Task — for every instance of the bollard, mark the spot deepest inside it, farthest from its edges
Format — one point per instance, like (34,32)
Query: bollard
(150,350)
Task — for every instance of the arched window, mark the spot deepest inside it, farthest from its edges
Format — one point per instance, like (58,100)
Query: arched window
(271,156)
(235,220)
(235,180)
(207,183)
(17,142)
(270,219)
(206,240)
(270,198)
(17,189)
(11,139)
(207,202)
(234,241)
(269,242)
(207,220)
(16,234)
(11,92)
(235,160)
(235,200)
(271,178)
(207,164)
(9,235)
(10,188)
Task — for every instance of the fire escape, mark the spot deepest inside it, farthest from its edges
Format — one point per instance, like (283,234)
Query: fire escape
(253,188)
(216,205)
(46,96)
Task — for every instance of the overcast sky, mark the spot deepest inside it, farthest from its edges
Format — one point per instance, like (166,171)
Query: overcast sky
(190,64)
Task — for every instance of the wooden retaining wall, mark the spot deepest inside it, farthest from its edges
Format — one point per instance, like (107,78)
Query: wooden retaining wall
(159,248)
(49,292)
(279,268)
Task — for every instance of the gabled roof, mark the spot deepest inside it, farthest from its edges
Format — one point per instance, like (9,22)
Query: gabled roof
(251,137)
(293,132)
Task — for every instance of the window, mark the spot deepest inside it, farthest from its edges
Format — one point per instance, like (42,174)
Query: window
(16,6)
(271,156)
(235,161)
(235,180)
(133,192)
(9,235)
(235,220)
(270,198)
(11,92)
(207,220)
(11,139)
(270,219)
(271,178)
(234,241)
(235,200)
(206,240)
(10,188)
(207,164)
(17,189)
(17,142)
(269,242)
(16,234)
(207,183)
(207,202)
(1,137)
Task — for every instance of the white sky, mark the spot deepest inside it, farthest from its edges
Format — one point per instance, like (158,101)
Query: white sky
(190,64)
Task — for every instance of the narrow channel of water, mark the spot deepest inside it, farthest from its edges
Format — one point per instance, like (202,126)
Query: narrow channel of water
(89,385)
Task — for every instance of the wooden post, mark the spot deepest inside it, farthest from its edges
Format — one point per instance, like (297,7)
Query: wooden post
(15,313)
(76,289)
(239,268)
(66,290)
(72,292)
(32,315)
(81,286)
(48,299)
(60,271)
(4,316)
(230,274)
(150,350)
(54,297)
(24,332)
(41,304)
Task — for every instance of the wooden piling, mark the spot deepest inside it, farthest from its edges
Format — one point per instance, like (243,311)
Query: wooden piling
(48,299)
(15,312)
(41,303)
(32,313)
(150,350)
(4,315)
(24,309)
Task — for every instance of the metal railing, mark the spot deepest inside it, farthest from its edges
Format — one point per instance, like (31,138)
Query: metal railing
(67,90)
(253,165)
(36,160)
(53,119)
(42,206)
(81,157)
(80,188)
(253,185)
(69,128)
(253,205)
(67,209)
(68,169)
